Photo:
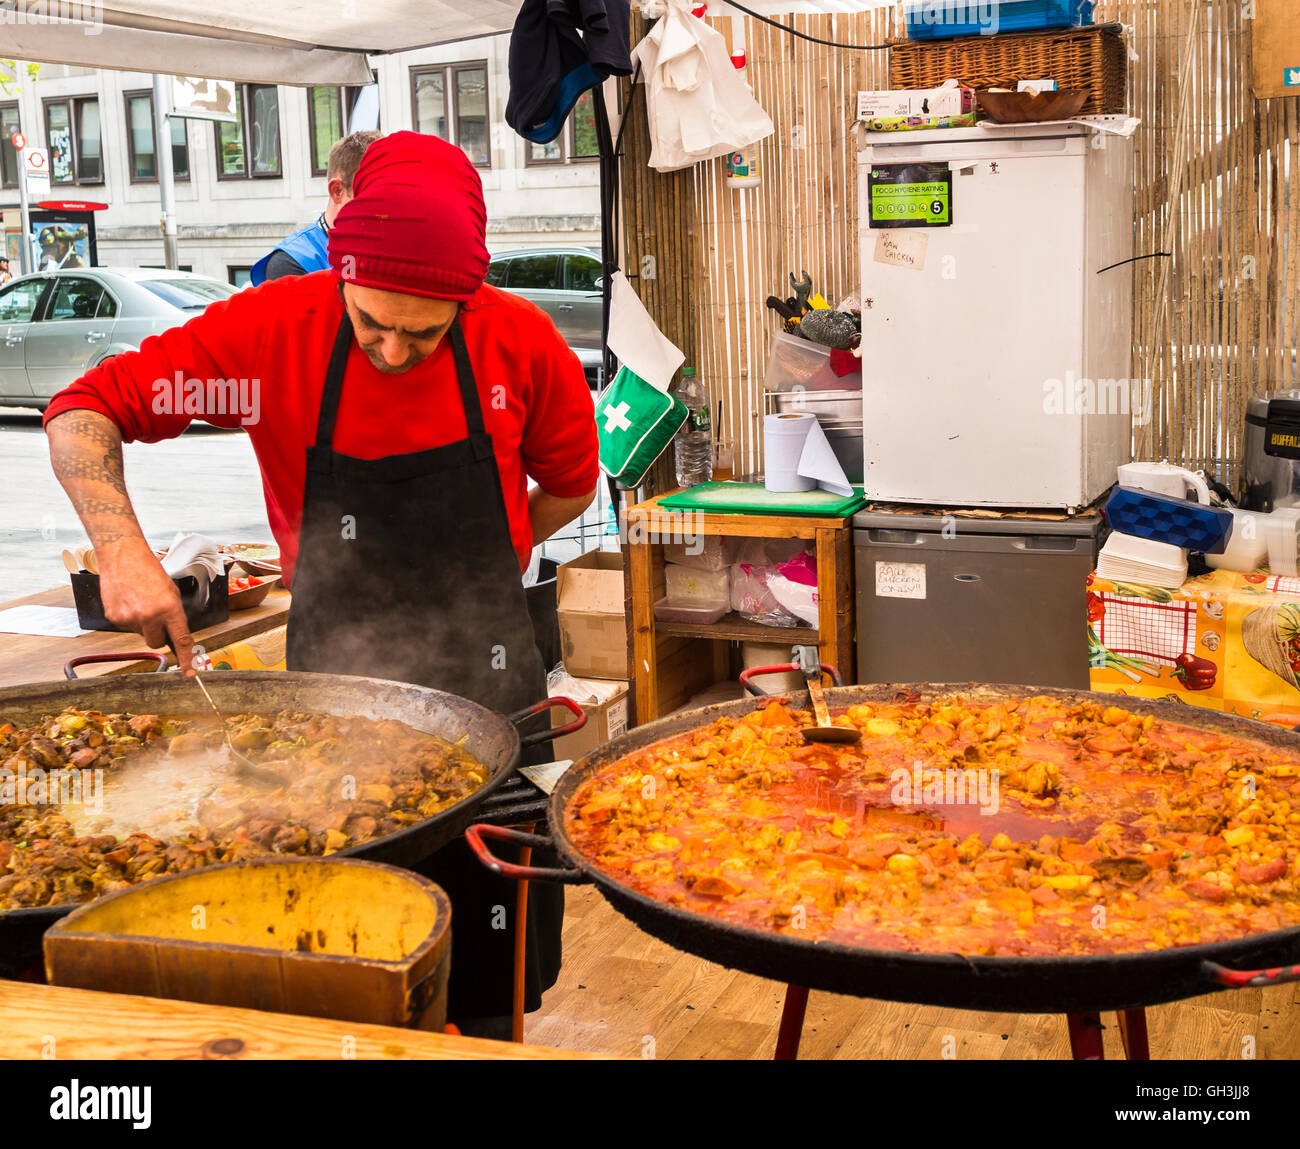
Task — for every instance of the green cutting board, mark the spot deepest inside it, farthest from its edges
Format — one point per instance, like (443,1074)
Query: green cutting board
(756,499)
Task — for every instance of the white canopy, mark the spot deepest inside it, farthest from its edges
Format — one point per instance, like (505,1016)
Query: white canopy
(260,41)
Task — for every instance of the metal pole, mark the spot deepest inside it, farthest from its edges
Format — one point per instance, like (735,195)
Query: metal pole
(162,132)
(25,246)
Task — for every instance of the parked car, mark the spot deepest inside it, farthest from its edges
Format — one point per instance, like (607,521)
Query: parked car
(566,283)
(57,325)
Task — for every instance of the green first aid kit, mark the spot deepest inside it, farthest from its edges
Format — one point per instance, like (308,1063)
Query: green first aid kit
(635,421)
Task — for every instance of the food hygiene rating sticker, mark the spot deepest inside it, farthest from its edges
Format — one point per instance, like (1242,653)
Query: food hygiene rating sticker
(910,195)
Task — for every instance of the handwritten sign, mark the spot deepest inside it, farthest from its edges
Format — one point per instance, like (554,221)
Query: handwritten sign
(900,580)
(901,248)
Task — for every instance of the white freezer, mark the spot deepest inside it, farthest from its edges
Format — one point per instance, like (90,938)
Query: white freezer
(996,363)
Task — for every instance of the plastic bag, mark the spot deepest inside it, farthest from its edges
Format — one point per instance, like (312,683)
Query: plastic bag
(752,599)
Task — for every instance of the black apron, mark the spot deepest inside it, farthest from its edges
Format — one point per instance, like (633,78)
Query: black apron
(406,570)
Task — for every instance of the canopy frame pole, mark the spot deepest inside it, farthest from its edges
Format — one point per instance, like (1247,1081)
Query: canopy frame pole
(166,177)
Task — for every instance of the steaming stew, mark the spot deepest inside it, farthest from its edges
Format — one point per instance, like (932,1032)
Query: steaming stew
(1028,827)
(149,795)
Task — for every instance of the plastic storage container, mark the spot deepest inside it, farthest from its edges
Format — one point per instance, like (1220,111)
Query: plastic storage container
(944,19)
(796,364)
(669,609)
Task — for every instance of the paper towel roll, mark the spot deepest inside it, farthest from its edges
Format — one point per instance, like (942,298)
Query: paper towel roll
(798,456)
(784,436)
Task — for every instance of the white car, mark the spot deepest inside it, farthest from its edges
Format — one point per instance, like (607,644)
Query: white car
(55,326)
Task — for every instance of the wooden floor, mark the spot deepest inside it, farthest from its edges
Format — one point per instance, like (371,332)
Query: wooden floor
(622,992)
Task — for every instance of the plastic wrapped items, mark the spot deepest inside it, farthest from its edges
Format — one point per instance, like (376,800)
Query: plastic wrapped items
(794,586)
(753,588)
(706,552)
(696,587)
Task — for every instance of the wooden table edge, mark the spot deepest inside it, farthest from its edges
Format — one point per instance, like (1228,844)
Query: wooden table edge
(33,1016)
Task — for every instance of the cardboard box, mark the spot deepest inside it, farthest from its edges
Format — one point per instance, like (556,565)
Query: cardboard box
(1275,49)
(923,102)
(605,720)
(593,627)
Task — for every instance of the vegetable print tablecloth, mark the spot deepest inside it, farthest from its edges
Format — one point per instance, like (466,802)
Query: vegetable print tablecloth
(1224,640)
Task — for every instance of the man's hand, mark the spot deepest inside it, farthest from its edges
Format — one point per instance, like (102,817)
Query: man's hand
(139,595)
(86,453)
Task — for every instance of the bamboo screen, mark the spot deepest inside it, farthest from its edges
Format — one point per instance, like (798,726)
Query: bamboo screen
(1214,322)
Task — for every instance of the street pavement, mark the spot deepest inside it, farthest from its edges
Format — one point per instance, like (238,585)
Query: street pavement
(205,481)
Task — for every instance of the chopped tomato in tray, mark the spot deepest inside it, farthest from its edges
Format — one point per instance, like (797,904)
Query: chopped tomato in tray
(1035,826)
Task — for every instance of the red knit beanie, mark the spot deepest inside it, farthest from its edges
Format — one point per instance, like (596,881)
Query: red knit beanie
(416,221)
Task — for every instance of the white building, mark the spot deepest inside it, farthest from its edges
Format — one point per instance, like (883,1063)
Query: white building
(234,204)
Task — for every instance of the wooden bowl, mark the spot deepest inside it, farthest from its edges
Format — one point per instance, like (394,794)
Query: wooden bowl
(254,595)
(1030,108)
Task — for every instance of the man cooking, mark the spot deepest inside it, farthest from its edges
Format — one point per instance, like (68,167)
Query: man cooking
(400,406)
(307,249)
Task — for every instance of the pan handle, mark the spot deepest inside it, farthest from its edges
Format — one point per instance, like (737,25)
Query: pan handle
(1224,978)
(559,731)
(758,692)
(475,835)
(70,667)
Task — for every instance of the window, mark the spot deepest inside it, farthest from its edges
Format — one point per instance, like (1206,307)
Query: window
(325,111)
(18,302)
(76,299)
(141,140)
(451,101)
(497,270)
(9,123)
(72,132)
(581,272)
(239,276)
(188,294)
(576,143)
(330,112)
(250,148)
(533,272)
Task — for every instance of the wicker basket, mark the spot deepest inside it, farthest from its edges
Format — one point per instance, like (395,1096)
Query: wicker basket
(1078,59)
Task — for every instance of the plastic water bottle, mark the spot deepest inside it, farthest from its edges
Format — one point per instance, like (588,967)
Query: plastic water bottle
(693,444)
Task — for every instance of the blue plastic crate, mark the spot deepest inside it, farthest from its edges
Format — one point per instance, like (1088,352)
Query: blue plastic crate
(1165,519)
(946,19)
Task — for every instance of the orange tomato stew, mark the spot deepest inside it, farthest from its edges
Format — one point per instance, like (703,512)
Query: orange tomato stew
(1032,827)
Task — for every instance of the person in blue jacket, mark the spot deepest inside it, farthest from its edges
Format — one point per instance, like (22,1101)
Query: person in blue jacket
(307,249)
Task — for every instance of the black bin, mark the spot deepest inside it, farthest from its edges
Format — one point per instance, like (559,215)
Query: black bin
(90,605)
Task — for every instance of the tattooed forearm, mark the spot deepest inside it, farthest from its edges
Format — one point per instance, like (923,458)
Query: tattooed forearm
(86,453)
(92,428)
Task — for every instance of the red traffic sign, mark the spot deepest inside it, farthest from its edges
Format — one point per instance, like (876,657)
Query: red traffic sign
(71,205)
(18,140)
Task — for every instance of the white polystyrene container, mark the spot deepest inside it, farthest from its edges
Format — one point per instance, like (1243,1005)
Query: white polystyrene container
(698,587)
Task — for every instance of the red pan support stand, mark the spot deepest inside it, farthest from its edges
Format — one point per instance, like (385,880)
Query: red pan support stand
(747,676)
(796,996)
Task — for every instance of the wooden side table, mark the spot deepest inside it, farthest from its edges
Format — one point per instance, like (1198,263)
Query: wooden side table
(671,661)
